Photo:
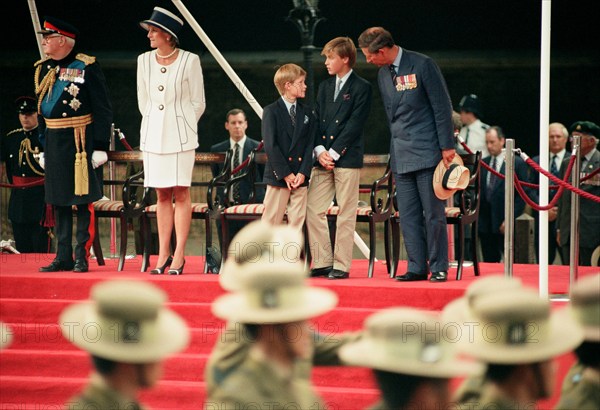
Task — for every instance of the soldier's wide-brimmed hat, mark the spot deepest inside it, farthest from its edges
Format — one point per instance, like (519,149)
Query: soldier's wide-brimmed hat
(519,328)
(125,321)
(269,297)
(53,25)
(470,103)
(164,20)
(446,181)
(25,104)
(585,305)
(407,341)
(6,335)
(260,246)
(459,310)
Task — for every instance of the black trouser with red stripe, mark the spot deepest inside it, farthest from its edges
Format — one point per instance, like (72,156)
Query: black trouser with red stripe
(64,232)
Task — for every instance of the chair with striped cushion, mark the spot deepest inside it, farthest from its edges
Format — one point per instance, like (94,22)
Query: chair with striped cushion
(241,212)
(464,214)
(126,209)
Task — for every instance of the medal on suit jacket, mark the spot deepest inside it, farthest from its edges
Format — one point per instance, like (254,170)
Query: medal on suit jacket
(406,82)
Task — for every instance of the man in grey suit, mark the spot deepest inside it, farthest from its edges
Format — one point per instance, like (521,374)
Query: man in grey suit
(419,112)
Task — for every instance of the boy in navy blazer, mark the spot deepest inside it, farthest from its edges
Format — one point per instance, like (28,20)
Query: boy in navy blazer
(342,107)
(288,130)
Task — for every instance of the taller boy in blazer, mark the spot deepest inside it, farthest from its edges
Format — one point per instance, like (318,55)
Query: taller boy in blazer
(342,107)
(288,129)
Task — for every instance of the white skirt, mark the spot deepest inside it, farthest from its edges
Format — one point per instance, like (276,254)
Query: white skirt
(168,170)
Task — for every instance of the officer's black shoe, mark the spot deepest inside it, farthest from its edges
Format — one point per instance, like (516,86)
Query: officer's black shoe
(81,265)
(316,272)
(338,274)
(57,266)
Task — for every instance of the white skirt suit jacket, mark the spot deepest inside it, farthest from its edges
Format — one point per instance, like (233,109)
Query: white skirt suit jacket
(171,101)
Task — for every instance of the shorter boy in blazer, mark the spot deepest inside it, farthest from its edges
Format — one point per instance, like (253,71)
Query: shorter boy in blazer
(342,107)
(288,131)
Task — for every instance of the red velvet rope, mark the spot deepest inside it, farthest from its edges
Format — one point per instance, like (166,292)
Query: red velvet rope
(245,162)
(561,185)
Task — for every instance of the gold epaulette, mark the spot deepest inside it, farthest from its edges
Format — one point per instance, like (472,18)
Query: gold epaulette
(13,131)
(85,58)
(37,63)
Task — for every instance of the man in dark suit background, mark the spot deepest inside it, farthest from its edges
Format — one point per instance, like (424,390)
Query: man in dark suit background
(491,205)
(419,111)
(236,124)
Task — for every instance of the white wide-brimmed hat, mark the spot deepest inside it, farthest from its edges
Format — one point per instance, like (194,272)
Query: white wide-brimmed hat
(519,328)
(459,310)
(270,296)
(125,321)
(6,335)
(407,341)
(585,305)
(264,247)
(446,181)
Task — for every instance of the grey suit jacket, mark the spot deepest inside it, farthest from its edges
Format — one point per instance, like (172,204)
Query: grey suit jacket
(420,116)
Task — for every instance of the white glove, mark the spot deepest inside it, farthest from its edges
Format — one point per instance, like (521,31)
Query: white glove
(99,158)
(41,160)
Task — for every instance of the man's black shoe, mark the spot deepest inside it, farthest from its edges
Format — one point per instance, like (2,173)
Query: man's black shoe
(338,274)
(321,271)
(411,277)
(81,265)
(57,266)
(438,277)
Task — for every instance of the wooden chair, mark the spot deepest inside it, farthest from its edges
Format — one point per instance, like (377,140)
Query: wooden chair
(233,211)
(461,216)
(126,209)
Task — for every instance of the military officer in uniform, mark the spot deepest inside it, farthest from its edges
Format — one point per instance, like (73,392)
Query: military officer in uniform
(73,100)
(21,150)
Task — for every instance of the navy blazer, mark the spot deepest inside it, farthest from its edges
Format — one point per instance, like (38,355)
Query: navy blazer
(342,122)
(288,148)
(491,213)
(245,185)
(420,118)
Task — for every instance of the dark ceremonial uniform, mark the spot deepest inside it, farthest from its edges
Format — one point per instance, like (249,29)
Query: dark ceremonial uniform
(20,150)
(77,117)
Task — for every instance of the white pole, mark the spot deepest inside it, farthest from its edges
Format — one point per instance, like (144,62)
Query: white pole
(544,155)
(36,25)
(219,57)
(239,84)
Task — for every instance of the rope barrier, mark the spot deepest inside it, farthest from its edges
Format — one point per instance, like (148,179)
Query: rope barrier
(560,184)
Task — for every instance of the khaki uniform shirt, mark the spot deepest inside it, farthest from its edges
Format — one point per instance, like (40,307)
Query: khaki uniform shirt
(259,383)
(580,389)
(98,395)
(233,345)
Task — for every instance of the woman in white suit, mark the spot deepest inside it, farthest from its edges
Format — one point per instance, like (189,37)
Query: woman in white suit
(170,90)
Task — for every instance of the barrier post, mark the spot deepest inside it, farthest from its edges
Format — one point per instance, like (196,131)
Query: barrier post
(509,210)
(574,239)
(113,194)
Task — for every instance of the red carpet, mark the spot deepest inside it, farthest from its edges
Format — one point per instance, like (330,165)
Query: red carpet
(41,370)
